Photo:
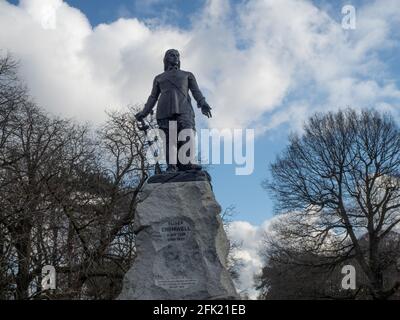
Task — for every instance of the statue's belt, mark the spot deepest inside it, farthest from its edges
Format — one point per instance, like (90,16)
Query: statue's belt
(179,89)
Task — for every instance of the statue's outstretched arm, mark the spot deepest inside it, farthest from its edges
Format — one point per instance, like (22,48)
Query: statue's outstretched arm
(198,96)
(194,88)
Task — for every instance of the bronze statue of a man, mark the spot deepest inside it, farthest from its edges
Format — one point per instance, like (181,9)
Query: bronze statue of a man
(171,89)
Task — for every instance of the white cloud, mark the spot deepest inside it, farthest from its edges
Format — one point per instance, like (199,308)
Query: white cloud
(250,238)
(260,63)
(78,71)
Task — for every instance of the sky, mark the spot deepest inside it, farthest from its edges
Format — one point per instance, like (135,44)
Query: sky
(266,65)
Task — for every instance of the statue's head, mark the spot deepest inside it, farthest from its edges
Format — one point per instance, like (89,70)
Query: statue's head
(172,57)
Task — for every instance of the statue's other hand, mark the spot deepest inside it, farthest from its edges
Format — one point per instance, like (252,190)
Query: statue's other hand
(140,116)
(206,110)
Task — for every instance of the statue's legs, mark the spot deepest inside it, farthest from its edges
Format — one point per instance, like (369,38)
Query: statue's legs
(183,121)
(163,124)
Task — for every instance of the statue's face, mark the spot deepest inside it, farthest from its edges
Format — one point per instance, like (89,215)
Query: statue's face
(173,57)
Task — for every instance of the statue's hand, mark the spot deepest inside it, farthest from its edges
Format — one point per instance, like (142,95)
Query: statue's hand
(140,116)
(206,110)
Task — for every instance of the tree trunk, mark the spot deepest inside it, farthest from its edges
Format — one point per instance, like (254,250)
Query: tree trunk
(376,272)
(23,246)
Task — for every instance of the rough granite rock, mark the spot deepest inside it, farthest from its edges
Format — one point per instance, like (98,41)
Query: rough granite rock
(181,245)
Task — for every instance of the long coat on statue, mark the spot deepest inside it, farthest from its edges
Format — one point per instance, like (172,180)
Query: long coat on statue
(171,89)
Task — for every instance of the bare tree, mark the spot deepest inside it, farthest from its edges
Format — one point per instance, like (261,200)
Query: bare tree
(69,201)
(12,93)
(41,153)
(340,182)
(68,197)
(103,215)
(293,271)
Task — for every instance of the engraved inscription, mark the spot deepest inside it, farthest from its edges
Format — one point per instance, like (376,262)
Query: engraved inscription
(175,230)
(175,284)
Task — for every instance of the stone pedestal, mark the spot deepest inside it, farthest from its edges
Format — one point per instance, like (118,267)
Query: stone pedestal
(181,243)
